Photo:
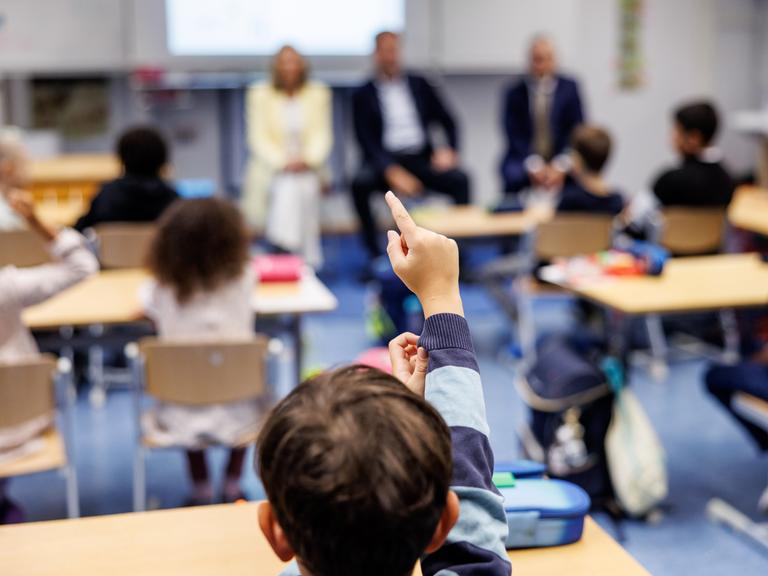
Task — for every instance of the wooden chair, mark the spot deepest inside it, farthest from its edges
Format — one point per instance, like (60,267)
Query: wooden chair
(568,235)
(124,245)
(565,236)
(686,231)
(27,391)
(22,248)
(692,231)
(194,374)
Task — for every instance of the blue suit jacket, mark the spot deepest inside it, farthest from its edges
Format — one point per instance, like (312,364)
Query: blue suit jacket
(369,124)
(566,114)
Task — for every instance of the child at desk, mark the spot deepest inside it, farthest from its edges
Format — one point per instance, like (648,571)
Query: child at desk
(23,287)
(700,179)
(586,190)
(365,473)
(202,290)
(140,194)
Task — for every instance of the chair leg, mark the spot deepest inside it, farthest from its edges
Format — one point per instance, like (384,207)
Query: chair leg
(731,336)
(526,325)
(98,395)
(659,369)
(139,480)
(762,504)
(73,493)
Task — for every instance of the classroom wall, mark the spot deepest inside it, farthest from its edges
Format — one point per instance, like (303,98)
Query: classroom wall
(693,47)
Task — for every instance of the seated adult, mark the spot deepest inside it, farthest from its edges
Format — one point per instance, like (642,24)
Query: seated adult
(140,194)
(540,112)
(394,113)
(701,178)
(585,189)
(290,137)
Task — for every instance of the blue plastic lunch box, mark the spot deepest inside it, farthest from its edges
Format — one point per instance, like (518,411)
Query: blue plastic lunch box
(541,512)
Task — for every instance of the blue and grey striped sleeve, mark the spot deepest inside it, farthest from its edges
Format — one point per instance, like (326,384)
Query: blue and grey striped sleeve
(476,544)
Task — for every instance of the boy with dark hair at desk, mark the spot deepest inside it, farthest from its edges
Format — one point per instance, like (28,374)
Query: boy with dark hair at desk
(586,190)
(367,473)
(701,179)
(140,194)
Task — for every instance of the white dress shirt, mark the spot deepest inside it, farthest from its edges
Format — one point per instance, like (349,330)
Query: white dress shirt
(403,131)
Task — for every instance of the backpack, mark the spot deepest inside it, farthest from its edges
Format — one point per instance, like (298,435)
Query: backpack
(590,430)
(571,407)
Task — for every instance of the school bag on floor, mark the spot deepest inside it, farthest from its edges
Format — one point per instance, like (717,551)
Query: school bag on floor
(571,405)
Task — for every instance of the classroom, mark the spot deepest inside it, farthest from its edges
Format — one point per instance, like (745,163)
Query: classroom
(389,287)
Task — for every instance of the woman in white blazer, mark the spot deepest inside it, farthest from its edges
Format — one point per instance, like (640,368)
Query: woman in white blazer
(290,137)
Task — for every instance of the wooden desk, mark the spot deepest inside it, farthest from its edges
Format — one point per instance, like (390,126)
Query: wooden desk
(71,176)
(463,222)
(112,297)
(226,540)
(749,210)
(694,284)
(60,213)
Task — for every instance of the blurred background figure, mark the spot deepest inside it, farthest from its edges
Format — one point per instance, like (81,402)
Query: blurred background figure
(540,112)
(290,137)
(13,174)
(393,114)
(141,194)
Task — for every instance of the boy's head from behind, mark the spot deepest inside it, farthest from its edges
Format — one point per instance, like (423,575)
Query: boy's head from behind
(357,470)
(142,151)
(199,245)
(695,126)
(591,147)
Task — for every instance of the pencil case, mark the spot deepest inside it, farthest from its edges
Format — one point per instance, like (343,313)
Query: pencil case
(542,513)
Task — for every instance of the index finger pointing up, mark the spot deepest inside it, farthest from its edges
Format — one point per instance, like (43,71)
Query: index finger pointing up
(400,214)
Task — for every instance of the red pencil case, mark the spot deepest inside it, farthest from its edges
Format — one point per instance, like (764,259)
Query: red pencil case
(278,267)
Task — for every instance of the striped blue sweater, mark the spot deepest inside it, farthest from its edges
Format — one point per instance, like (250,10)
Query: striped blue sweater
(475,546)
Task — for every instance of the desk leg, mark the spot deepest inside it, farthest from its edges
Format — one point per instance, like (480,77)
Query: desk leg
(98,396)
(298,346)
(617,325)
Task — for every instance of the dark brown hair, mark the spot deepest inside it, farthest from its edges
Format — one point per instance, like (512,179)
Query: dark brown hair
(593,145)
(698,117)
(200,245)
(143,151)
(357,468)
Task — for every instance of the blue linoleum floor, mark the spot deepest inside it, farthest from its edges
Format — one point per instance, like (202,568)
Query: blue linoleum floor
(708,456)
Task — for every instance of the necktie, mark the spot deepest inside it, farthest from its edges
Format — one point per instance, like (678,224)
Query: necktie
(542,138)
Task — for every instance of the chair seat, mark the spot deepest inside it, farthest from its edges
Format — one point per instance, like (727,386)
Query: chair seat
(751,407)
(51,456)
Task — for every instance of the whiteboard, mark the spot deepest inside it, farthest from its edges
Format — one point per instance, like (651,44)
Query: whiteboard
(61,35)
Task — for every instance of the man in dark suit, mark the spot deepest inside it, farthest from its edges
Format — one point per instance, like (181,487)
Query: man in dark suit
(540,112)
(393,115)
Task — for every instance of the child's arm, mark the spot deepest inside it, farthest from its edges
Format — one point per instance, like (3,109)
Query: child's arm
(73,261)
(429,265)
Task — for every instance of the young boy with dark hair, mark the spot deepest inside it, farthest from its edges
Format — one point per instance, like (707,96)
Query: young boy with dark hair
(140,194)
(586,190)
(367,473)
(700,179)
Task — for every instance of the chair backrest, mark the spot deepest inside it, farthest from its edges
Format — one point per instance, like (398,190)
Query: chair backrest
(202,373)
(124,245)
(26,390)
(690,231)
(568,235)
(22,248)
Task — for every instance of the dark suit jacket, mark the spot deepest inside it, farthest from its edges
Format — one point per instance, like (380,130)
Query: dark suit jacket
(128,199)
(566,113)
(369,124)
(695,183)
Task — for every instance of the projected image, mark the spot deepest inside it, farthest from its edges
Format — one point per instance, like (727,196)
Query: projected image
(260,27)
